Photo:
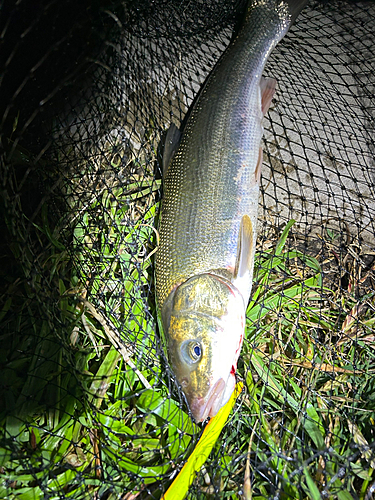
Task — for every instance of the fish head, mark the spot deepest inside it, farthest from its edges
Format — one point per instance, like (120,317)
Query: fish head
(204,319)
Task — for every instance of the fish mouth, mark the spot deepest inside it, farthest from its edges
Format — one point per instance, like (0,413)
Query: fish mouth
(201,408)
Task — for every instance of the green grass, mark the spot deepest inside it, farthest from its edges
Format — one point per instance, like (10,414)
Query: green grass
(89,408)
(303,370)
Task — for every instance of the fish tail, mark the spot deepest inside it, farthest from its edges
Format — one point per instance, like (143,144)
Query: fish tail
(295,7)
(286,8)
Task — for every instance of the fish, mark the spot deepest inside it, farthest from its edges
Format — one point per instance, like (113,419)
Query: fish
(207,226)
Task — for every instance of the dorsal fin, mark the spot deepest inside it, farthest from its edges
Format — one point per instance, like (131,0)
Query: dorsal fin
(244,248)
(172,141)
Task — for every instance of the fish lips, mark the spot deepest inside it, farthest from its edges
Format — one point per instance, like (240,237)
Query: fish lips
(201,408)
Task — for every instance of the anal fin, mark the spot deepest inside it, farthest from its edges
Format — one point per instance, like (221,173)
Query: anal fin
(258,168)
(267,91)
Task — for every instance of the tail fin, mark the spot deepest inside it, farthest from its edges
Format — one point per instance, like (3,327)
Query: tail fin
(295,7)
(284,7)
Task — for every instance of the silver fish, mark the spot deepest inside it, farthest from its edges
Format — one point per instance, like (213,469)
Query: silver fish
(204,263)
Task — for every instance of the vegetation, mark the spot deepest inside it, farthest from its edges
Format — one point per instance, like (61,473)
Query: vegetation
(90,409)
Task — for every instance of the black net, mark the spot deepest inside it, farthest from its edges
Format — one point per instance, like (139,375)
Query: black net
(89,407)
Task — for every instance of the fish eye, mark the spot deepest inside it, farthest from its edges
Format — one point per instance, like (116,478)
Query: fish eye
(195,351)
(191,351)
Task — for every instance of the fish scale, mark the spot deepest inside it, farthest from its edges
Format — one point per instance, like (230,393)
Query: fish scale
(210,183)
(207,228)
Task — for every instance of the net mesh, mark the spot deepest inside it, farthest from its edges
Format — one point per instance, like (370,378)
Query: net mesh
(89,406)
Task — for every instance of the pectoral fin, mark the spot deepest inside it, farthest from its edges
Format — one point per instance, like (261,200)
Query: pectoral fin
(172,141)
(244,248)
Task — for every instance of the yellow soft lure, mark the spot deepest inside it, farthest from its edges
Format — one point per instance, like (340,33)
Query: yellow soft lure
(179,488)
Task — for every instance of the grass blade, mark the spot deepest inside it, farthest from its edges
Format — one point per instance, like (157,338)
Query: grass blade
(180,486)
